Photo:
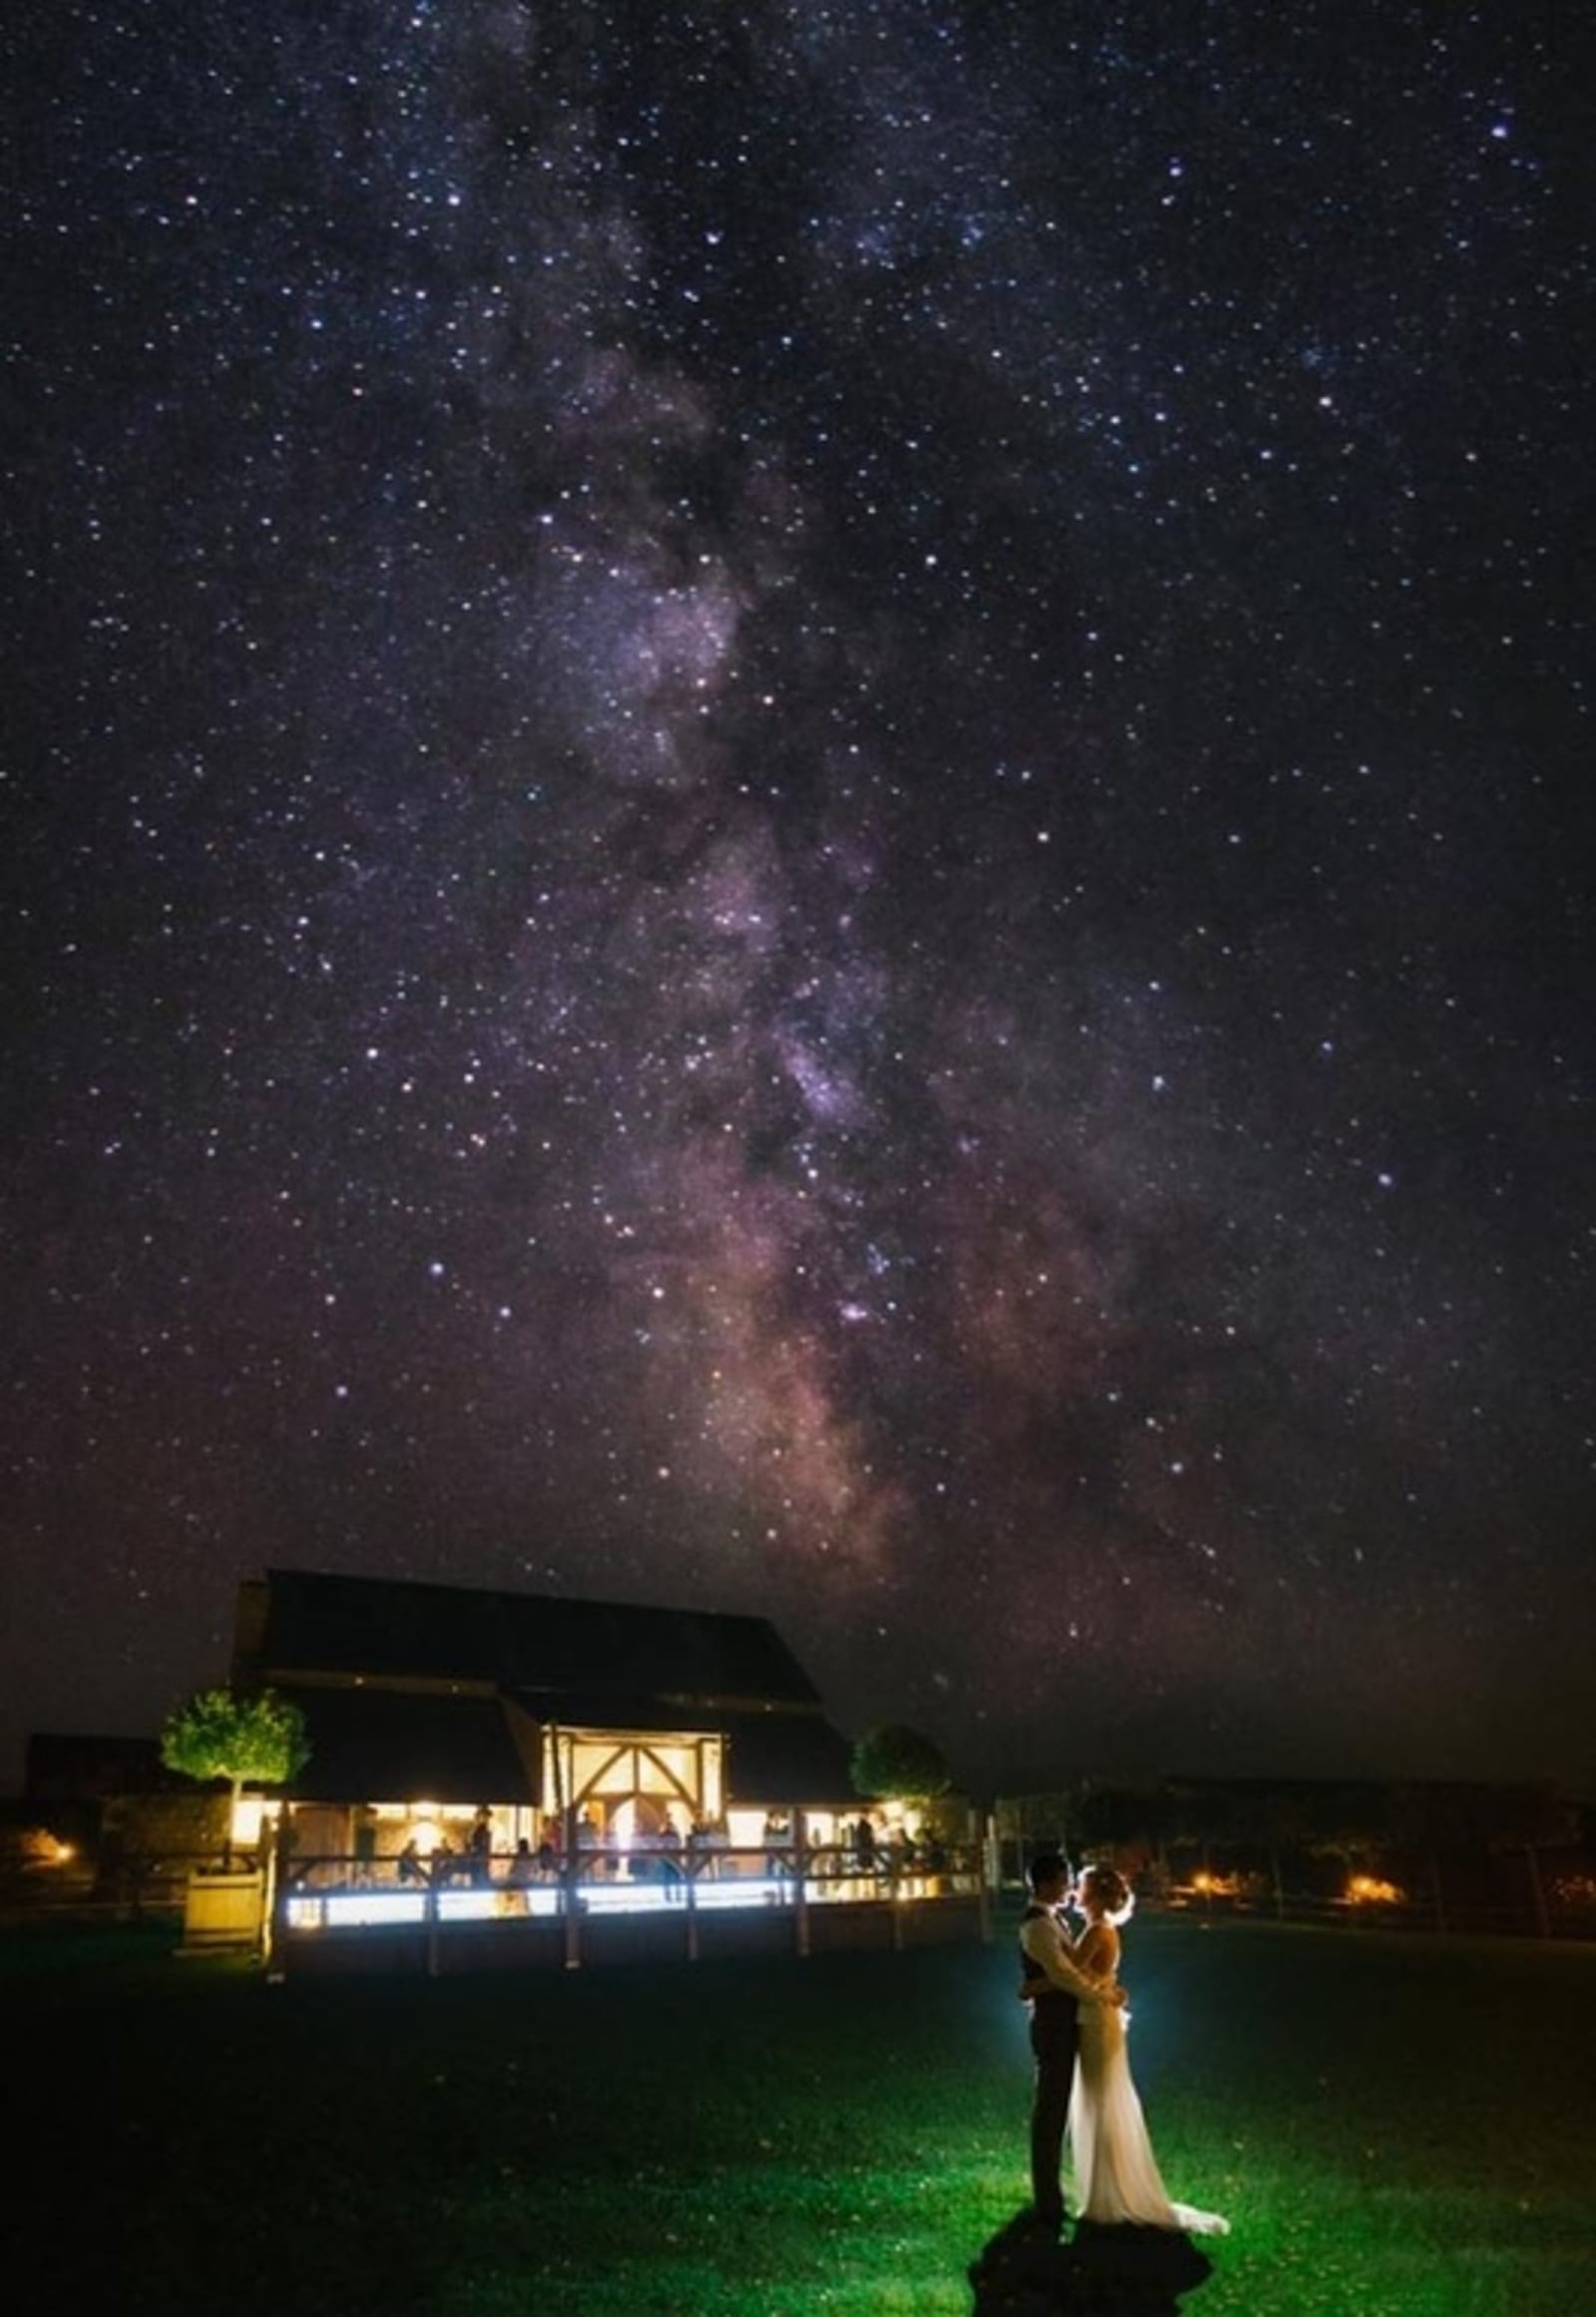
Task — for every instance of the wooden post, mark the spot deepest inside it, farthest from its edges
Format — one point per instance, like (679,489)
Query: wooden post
(267,1854)
(434,1964)
(276,1902)
(800,1887)
(569,1896)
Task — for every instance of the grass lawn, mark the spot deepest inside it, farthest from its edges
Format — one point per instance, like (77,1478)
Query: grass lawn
(1397,2127)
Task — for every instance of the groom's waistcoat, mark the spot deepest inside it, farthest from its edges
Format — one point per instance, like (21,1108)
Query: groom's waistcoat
(1052,2002)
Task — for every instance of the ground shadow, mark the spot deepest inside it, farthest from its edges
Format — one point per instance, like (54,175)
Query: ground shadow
(1097,2272)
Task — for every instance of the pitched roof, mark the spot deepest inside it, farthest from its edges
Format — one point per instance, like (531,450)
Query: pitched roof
(392,1745)
(309,1624)
(385,1745)
(617,1709)
(787,1757)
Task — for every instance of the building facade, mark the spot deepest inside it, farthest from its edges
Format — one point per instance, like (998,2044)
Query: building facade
(567,1767)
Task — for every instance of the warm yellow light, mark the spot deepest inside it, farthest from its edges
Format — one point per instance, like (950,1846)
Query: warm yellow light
(713,1802)
(247,1812)
(1367,1890)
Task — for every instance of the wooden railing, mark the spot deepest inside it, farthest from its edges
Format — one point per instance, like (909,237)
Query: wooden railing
(595,1903)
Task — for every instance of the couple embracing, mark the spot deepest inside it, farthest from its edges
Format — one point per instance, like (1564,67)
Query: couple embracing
(1084,2082)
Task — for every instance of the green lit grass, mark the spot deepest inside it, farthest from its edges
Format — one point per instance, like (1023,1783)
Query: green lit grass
(1396,2129)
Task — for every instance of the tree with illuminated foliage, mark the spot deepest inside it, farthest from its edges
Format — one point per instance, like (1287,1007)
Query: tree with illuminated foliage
(253,1736)
(900,1763)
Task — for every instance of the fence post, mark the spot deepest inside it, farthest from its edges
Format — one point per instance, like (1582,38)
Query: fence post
(274,1895)
(800,1888)
(570,1897)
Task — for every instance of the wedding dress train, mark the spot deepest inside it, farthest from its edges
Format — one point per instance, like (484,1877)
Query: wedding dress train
(1116,2174)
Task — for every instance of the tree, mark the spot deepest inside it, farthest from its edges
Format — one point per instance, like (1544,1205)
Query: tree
(899,1761)
(228,1734)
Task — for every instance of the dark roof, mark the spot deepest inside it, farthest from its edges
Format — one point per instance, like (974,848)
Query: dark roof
(786,1757)
(382,1745)
(391,1745)
(615,1710)
(310,1624)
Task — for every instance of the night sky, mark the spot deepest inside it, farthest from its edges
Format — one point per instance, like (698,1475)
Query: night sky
(799,817)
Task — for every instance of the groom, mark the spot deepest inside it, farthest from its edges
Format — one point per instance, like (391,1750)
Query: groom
(1055,1984)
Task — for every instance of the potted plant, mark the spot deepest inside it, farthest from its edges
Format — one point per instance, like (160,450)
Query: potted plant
(242,1735)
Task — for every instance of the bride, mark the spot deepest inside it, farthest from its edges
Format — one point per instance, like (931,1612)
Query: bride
(1116,2174)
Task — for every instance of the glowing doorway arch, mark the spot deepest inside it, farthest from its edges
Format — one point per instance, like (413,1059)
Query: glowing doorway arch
(633,1781)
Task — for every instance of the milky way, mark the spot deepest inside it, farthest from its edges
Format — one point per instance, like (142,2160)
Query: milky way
(798,819)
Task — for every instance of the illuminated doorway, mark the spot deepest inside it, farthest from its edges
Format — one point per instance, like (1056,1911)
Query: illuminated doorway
(632,1788)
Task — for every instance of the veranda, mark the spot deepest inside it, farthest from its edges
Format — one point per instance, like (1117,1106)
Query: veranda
(811,1897)
(646,1857)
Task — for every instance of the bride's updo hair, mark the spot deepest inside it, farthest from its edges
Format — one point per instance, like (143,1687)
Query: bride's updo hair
(1110,1890)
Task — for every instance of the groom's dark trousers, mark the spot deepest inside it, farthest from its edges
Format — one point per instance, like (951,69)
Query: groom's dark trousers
(1054,2040)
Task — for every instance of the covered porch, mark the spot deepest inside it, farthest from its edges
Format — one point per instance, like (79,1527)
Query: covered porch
(519,1831)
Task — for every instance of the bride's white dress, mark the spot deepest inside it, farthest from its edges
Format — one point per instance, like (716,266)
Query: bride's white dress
(1116,2174)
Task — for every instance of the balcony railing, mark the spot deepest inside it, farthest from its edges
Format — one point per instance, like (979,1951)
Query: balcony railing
(334,1891)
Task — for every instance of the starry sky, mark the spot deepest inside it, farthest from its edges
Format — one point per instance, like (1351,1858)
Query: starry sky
(798,818)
